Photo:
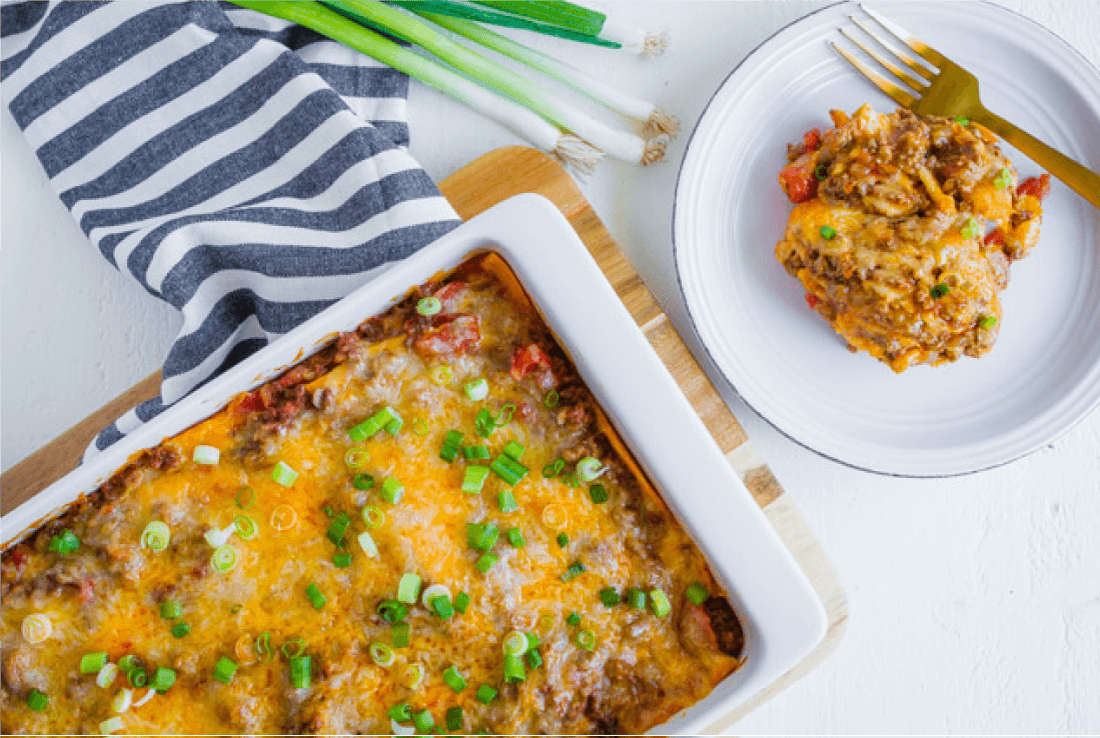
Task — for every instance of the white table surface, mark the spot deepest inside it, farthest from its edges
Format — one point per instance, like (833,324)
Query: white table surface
(975,601)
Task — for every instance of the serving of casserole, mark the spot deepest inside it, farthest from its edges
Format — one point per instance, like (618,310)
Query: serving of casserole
(460,515)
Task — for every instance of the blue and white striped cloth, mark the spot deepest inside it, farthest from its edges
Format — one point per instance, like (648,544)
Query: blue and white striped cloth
(246,170)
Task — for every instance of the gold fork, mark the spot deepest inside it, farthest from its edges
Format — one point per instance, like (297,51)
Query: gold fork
(953,92)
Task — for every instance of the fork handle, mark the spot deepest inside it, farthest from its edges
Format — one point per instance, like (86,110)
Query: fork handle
(1081,180)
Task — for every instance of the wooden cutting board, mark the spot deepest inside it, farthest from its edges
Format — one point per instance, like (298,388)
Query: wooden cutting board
(494,177)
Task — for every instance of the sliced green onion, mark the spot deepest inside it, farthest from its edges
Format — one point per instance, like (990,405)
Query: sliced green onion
(486,694)
(373,517)
(697,594)
(658,602)
(485,563)
(366,542)
(515,537)
(179,630)
(356,457)
(219,537)
(513,450)
(1003,179)
(475,452)
(341,560)
(412,675)
(609,597)
(482,537)
(462,601)
(533,659)
(138,677)
(420,428)
(263,648)
(987,322)
(156,536)
(453,719)
(148,696)
(283,474)
(504,417)
(508,469)
(110,725)
(551,399)
(477,390)
(121,702)
(962,121)
(293,647)
(245,497)
(635,598)
(423,721)
(283,517)
(106,675)
(225,669)
(971,229)
(300,671)
(515,644)
(163,679)
(552,470)
(428,306)
(598,493)
(453,679)
(362,481)
(451,443)
(436,590)
(514,670)
(821,172)
(442,374)
(563,540)
(246,527)
(36,628)
(400,635)
(408,589)
(169,610)
(36,701)
(395,425)
(533,641)
(91,663)
(313,592)
(589,468)
(939,290)
(128,663)
(507,501)
(392,490)
(573,619)
(474,479)
(206,455)
(392,611)
(484,424)
(586,639)
(224,559)
(828,233)
(338,527)
(65,542)
(381,654)
(401,712)
(442,607)
(569,480)
(575,570)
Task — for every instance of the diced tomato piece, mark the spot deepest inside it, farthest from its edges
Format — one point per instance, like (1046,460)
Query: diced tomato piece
(87,590)
(252,402)
(449,295)
(1035,186)
(812,139)
(812,300)
(297,375)
(19,555)
(996,237)
(798,181)
(449,335)
(527,360)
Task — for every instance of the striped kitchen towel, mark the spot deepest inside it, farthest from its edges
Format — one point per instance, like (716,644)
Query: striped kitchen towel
(246,170)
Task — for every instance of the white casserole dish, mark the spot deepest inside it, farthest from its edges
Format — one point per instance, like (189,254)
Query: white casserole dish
(783,618)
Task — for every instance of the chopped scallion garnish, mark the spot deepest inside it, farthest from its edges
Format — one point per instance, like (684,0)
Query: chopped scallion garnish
(513,450)
(246,527)
(534,659)
(609,597)
(283,474)
(515,538)
(373,517)
(442,607)
(401,712)
(442,374)
(635,598)
(462,601)
(485,563)
(355,457)
(971,229)
(507,501)
(225,669)
(381,654)
(245,497)
(451,443)
(514,670)
(453,719)
(106,675)
(481,537)
(553,469)
(563,540)
(589,468)
(338,527)
(939,290)
(1003,179)
(428,306)
(37,701)
(341,560)
(392,611)
(515,643)
(586,639)
(508,469)
(551,399)
(477,390)
(987,322)
(474,479)
(697,594)
(412,675)
(486,694)
(64,542)
(223,559)
(362,481)
(163,679)
(110,725)
(206,455)
(313,592)
(475,452)
(392,490)
(400,634)
(423,721)
(658,602)
(156,536)
(300,671)
(171,609)
(91,663)
(179,630)
(598,493)
(575,570)
(366,542)
(453,679)
(573,619)
(408,589)
(828,233)
(484,424)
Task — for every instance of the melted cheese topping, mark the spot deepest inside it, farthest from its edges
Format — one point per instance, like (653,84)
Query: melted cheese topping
(643,669)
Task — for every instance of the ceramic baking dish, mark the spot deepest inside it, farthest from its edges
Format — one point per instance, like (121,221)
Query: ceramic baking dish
(783,618)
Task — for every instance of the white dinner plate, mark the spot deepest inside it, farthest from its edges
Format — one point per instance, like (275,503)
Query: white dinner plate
(785,361)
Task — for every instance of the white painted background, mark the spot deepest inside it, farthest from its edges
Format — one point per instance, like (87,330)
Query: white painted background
(975,602)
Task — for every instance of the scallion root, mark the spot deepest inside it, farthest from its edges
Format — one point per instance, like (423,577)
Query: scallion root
(577,155)
(655,44)
(655,149)
(661,121)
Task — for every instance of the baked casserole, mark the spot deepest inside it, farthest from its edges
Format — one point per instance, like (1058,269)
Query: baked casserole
(427,526)
(904,230)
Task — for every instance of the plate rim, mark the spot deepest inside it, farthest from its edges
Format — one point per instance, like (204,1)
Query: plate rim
(691,314)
